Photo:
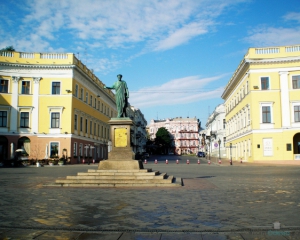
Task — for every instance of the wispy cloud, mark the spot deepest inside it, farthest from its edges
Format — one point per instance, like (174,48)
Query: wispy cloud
(177,91)
(272,36)
(292,16)
(117,23)
(182,35)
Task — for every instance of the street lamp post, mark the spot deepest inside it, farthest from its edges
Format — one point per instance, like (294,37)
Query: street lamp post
(230,154)
(88,147)
(219,149)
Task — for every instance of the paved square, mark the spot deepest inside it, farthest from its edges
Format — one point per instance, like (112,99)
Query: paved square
(234,201)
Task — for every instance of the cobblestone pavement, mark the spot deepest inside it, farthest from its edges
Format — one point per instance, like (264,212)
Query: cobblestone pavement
(216,202)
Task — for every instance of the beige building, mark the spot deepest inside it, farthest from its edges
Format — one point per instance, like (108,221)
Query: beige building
(184,133)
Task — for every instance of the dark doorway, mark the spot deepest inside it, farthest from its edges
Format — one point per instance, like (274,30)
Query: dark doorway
(296,143)
(3,148)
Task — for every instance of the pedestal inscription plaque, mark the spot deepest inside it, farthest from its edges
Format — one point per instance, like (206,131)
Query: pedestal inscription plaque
(120,137)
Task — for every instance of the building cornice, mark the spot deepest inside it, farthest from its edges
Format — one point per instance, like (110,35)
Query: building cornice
(273,60)
(259,61)
(38,66)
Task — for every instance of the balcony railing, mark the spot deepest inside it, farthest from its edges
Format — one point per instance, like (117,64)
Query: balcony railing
(54,56)
(267,50)
(26,55)
(7,54)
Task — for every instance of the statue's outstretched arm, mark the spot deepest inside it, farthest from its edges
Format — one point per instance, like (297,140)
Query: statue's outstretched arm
(112,87)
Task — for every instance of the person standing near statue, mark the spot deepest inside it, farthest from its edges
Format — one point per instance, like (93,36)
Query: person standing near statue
(122,95)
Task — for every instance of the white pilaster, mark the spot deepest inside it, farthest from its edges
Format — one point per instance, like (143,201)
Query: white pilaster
(35,104)
(14,104)
(284,90)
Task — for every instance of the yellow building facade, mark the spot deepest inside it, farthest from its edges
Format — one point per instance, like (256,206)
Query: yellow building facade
(262,102)
(53,106)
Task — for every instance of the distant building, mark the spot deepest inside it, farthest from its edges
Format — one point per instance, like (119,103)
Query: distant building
(213,137)
(184,133)
(52,106)
(138,130)
(262,103)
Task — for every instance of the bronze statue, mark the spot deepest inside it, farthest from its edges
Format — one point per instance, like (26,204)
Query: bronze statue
(122,94)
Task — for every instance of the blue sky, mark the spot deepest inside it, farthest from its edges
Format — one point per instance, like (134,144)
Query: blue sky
(175,55)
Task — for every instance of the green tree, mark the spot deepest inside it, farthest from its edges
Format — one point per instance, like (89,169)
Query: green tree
(8,49)
(163,138)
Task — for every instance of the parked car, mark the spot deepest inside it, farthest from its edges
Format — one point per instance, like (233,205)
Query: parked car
(201,154)
(146,155)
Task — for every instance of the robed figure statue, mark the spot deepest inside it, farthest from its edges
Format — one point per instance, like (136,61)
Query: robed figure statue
(122,94)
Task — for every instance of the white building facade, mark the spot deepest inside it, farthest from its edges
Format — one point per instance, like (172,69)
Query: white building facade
(213,137)
(138,130)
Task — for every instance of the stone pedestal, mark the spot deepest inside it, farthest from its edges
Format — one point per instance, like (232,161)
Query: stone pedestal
(121,156)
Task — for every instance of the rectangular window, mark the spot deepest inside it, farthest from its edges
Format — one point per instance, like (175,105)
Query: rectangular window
(80,149)
(95,102)
(224,123)
(3,118)
(25,87)
(54,149)
(264,83)
(91,100)
(86,126)
(55,88)
(296,82)
(95,129)
(75,149)
(87,97)
(75,122)
(81,123)
(98,105)
(4,86)
(55,120)
(297,113)
(76,90)
(24,121)
(81,93)
(266,114)
(289,147)
(91,129)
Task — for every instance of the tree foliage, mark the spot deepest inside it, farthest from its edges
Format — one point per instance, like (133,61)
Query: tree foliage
(8,49)
(163,137)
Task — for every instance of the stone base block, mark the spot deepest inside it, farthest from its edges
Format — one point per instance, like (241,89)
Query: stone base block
(120,165)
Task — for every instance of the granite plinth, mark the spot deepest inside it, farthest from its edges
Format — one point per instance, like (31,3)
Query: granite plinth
(120,165)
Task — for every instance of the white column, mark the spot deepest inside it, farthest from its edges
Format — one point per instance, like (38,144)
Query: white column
(35,104)
(14,105)
(284,91)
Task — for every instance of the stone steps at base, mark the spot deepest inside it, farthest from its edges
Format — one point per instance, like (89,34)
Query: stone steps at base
(118,173)
(169,179)
(175,183)
(119,176)
(146,170)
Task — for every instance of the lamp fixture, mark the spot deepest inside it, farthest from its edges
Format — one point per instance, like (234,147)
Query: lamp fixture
(66,132)
(68,91)
(98,95)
